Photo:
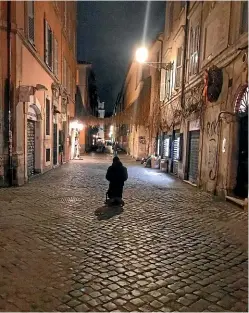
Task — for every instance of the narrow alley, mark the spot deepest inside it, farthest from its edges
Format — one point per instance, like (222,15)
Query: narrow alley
(174,247)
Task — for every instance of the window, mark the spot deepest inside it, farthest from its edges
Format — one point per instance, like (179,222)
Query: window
(167,147)
(48,45)
(168,83)
(162,87)
(244,17)
(171,14)
(178,73)
(47,155)
(55,57)
(65,16)
(69,79)
(47,117)
(31,22)
(177,147)
(194,50)
(64,78)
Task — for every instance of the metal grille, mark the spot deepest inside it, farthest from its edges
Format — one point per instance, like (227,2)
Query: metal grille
(176,153)
(166,147)
(31,147)
(193,156)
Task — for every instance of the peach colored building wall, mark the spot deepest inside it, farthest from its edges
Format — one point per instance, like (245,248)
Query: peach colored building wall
(29,68)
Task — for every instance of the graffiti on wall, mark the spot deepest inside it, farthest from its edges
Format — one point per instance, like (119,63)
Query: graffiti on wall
(212,130)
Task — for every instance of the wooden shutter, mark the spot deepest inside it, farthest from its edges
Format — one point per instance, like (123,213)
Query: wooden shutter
(162,86)
(31,22)
(55,57)
(46,41)
(48,45)
(178,70)
(64,73)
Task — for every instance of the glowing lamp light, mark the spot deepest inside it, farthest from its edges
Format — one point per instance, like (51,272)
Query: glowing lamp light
(142,55)
(76,125)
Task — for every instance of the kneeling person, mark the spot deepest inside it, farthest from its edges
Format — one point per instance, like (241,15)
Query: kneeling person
(116,174)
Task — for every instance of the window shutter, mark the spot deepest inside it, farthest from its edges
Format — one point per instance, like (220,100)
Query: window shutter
(50,48)
(244,17)
(46,41)
(31,24)
(55,57)
(48,45)
(178,70)
(162,86)
(64,73)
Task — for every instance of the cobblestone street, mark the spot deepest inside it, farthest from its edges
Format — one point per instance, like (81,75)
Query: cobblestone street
(174,248)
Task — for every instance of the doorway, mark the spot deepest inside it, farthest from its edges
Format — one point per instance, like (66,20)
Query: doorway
(55,148)
(241,189)
(194,137)
(31,147)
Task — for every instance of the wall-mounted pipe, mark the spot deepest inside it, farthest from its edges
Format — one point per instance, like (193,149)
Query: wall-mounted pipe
(9,104)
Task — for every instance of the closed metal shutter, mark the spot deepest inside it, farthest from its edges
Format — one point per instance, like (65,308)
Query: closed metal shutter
(55,148)
(166,147)
(194,138)
(176,153)
(31,147)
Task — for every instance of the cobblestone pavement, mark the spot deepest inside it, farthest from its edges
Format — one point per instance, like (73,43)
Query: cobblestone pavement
(174,248)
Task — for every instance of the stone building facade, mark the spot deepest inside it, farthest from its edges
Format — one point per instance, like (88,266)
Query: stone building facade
(39,43)
(140,90)
(204,94)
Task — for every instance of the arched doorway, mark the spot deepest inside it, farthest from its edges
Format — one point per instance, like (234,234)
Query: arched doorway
(241,108)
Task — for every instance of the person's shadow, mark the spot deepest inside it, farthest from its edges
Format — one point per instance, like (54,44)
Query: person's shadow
(107,212)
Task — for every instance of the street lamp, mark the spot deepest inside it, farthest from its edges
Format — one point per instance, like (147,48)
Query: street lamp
(142,55)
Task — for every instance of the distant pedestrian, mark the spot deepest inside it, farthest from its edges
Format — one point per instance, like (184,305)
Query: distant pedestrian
(115,149)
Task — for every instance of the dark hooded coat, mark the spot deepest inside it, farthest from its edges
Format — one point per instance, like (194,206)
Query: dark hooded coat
(116,174)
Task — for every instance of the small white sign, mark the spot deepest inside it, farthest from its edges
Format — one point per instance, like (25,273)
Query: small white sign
(224,145)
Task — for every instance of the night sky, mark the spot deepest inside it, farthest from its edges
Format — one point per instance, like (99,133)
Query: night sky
(107,34)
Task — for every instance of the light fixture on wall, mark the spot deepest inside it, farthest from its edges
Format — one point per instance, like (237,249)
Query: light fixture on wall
(76,125)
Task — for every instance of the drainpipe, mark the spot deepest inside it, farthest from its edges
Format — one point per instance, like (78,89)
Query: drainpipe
(186,26)
(161,61)
(9,104)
